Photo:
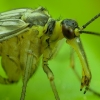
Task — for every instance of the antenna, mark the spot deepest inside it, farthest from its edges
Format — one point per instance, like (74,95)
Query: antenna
(90,21)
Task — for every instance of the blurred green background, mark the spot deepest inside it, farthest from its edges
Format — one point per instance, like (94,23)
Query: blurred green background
(68,86)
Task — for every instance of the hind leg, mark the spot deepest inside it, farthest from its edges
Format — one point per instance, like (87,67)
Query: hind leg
(11,68)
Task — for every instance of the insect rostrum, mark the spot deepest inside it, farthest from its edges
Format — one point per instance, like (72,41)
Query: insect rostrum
(28,34)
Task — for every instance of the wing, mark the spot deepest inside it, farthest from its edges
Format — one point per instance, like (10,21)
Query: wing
(14,14)
(11,23)
(17,21)
(11,27)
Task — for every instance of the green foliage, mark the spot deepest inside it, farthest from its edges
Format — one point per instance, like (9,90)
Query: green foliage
(68,85)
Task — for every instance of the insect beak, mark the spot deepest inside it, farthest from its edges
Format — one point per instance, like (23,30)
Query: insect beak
(76,44)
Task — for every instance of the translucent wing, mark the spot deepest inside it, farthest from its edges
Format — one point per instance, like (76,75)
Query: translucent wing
(15,22)
(11,23)
(11,27)
(14,14)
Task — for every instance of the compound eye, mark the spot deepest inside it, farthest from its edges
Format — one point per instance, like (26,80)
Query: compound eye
(68,27)
(68,32)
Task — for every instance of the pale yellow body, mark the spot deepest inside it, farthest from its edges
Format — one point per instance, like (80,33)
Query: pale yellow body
(14,53)
(25,35)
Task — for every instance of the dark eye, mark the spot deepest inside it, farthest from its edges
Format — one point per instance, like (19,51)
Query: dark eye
(67,32)
(68,27)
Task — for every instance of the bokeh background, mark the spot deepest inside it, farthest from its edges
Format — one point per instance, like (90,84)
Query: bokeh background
(67,84)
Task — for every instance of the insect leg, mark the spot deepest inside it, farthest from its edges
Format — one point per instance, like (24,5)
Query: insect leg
(47,70)
(5,80)
(9,61)
(27,73)
(29,54)
(11,68)
(72,65)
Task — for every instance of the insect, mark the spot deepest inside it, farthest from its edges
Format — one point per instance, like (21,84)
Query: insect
(28,34)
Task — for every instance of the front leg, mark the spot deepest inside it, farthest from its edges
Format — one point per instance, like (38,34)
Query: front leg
(46,56)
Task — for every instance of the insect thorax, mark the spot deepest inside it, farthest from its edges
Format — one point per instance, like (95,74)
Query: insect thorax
(38,16)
